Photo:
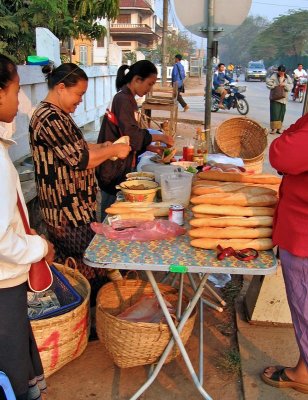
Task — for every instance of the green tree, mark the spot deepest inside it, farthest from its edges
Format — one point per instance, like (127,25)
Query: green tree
(65,18)
(286,36)
(176,44)
(235,47)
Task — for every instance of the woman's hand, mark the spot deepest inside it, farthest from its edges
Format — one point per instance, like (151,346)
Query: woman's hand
(50,256)
(167,139)
(121,150)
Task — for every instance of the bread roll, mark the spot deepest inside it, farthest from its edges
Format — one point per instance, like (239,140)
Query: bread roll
(250,198)
(236,244)
(222,222)
(239,177)
(232,210)
(231,232)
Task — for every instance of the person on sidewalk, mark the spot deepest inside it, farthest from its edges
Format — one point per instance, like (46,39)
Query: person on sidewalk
(278,106)
(19,356)
(288,155)
(178,75)
(219,80)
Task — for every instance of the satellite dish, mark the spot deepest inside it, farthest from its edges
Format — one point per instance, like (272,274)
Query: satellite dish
(228,14)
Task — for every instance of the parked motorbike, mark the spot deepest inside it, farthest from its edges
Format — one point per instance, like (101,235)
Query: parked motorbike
(300,89)
(234,99)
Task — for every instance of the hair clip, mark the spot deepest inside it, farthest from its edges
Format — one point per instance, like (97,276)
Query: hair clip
(126,71)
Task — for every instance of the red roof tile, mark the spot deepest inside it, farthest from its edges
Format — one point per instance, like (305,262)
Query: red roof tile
(134,3)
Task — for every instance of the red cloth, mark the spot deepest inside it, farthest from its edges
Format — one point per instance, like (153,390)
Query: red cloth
(288,154)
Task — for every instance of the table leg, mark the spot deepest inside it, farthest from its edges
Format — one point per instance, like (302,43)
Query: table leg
(176,337)
(208,303)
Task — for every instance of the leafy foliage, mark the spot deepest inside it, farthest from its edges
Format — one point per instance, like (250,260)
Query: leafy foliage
(176,44)
(65,18)
(286,36)
(236,46)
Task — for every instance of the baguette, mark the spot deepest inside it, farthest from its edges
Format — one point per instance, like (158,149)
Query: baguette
(248,198)
(231,232)
(146,216)
(222,222)
(218,186)
(236,244)
(232,210)
(239,177)
(124,210)
(227,187)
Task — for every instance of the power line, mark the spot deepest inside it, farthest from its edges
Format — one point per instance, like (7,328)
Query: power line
(279,5)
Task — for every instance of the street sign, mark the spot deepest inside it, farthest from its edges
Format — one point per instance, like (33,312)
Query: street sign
(228,14)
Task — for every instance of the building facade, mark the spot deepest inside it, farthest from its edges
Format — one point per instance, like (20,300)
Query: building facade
(135,26)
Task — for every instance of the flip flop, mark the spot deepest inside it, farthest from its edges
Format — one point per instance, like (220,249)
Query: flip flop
(279,379)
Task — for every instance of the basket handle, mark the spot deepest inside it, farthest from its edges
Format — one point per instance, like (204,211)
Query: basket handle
(71,263)
(128,272)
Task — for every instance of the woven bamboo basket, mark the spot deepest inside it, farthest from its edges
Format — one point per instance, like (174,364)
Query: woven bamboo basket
(130,344)
(255,164)
(241,137)
(63,338)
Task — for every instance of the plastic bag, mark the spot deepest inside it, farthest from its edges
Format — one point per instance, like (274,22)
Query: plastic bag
(147,309)
(142,231)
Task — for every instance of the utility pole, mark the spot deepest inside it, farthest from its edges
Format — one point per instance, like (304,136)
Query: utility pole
(164,43)
(209,74)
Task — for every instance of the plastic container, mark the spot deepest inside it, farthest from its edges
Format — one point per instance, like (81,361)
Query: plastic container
(68,297)
(176,187)
(160,169)
(37,60)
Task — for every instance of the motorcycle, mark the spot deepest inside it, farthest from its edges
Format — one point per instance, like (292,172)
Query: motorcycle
(300,89)
(233,99)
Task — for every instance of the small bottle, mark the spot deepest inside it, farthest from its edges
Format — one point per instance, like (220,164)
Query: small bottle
(204,147)
(199,148)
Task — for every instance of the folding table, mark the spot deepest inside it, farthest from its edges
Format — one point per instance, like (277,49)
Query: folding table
(174,255)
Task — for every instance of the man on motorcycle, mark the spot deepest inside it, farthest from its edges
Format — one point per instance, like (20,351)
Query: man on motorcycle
(220,77)
(299,72)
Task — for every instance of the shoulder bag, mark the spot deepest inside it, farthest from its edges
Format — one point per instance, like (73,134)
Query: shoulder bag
(181,88)
(277,93)
(40,277)
(110,173)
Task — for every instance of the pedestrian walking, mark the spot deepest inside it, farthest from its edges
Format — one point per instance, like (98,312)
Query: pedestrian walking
(178,76)
(280,84)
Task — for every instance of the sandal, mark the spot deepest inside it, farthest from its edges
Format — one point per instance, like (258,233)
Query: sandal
(279,379)
(272,132)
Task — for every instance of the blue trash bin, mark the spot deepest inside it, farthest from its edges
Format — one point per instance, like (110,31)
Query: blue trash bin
(6,386)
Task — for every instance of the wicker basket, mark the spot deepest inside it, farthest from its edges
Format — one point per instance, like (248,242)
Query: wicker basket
(255,164)
(134,343)
(241,137)
(63,338)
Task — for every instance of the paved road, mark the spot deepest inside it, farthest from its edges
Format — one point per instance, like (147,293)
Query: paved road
(257,97)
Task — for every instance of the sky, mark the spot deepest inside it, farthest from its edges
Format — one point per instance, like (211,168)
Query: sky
(269,9)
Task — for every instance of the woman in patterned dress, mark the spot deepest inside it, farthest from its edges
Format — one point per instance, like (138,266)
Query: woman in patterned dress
(64,167)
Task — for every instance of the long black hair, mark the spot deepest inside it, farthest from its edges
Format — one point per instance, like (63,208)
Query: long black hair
(8,71)
(68,73)
(143,69)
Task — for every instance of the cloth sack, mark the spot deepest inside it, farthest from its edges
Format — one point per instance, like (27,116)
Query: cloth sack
(182,88)
(277,93)
(110,173)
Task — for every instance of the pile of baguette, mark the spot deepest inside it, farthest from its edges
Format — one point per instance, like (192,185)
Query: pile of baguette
(145,211)
(233,210)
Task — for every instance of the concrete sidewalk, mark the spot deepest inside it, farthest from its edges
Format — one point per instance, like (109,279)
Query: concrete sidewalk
(262,346)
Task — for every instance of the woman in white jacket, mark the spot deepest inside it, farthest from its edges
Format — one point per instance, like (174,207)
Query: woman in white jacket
(19,357)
